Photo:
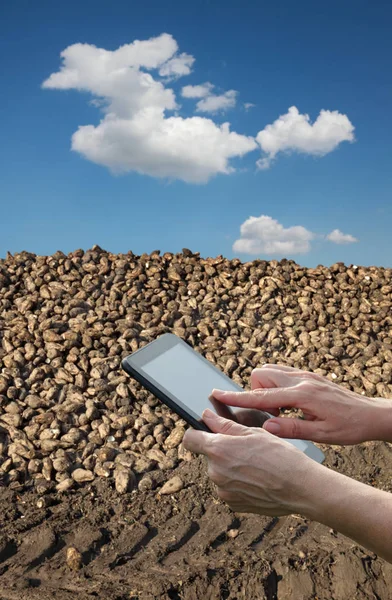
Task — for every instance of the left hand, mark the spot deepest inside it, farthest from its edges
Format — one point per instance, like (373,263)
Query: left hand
(254,470)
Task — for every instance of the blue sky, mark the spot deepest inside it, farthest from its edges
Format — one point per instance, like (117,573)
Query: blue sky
(313,56)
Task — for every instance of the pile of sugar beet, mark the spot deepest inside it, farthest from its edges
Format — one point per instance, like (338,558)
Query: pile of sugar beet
(69,414)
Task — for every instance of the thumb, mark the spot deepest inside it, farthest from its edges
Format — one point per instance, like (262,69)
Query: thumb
(293,428)
(219,424)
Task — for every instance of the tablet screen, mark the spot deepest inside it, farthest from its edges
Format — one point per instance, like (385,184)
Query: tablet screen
(189,379)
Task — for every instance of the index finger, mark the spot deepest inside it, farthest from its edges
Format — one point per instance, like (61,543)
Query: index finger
(269,377)
(275,374)
(262,399)
(197,441)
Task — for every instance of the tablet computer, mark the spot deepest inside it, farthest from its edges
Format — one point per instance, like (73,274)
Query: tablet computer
(183,380)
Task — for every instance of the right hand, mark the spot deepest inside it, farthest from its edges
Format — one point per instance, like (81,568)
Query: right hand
(331,414)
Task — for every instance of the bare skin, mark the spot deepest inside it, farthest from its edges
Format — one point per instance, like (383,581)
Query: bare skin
(332,414)
(286,481)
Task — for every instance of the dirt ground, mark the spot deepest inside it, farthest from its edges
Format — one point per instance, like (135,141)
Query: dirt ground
(143,546)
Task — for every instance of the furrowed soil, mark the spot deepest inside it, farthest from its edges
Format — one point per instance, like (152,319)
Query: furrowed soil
(186,546)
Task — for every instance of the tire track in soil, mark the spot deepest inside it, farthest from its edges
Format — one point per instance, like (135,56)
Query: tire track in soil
(35,548)
(141,536)
(172,536)
(7,549)
(213,524)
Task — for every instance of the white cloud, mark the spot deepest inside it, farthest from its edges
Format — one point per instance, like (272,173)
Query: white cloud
(248,105)
(85,63)
(265,235)
(197,91)
(338,237)
(215,104)
(178,66)
(193,149)
(294,132)
(210,102)
(115,76)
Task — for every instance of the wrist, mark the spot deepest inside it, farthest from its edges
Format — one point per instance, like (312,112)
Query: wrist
(305,489)
(335,500)
(317,493)
(379,421)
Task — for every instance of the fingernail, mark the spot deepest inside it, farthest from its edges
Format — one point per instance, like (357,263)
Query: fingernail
(272,427)
(208,414)
(218,392)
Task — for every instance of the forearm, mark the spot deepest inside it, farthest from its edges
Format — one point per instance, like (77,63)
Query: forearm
(356,510)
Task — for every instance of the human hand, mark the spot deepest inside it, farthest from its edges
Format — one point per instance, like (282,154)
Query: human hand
(254,471)
(332,414)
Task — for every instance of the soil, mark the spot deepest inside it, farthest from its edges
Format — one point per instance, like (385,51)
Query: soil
(142,546)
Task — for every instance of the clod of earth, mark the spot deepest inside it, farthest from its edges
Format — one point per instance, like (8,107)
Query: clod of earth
(74,559)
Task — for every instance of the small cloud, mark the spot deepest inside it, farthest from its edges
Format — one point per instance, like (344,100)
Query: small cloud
(179,66)
(249,105)
(209,102)
(213,104)
(197,91)
(293,132)
(338,237)
(97,102)
(264,163)
(265,235)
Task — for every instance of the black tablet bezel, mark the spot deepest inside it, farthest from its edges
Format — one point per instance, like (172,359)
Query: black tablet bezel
(133,365)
